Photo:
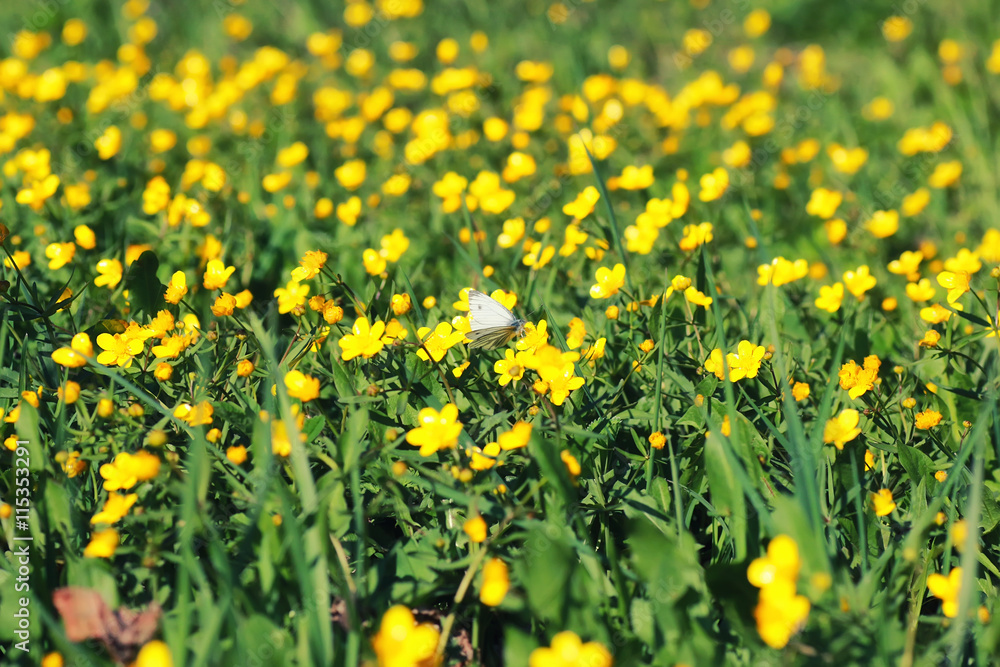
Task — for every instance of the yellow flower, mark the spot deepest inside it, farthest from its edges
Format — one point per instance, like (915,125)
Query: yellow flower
(920,291)
(568,650)
(292,297)
(351,174)
(883,224)
(301,386)
(115,508)
(859,379)
(436,431)
(496,582)
(823,203)
(110,271)
(394,245)
(695,236)
(907,264)
(897,28)
(476,528)
(84,236)
(882,502)
(365,340)
(846,160)
(374,263)
(780,612)
(60,254)
(925,139)
(633,178)
(156,653)
(349,211)
(584,203)
(945,174)
(639,238)
(127,470)
(103,544)
(657,440)
(217,274)
(510,368)
(513,232)
(199,414)
(746,362)
(439,342)
(713,184)
(756,23)
(915,202)
(400,304)
(927,419)
(800,391)
(401,641)
(842,429)
(781,271)
(930,339)
(697,298)
(714,364)
(859,281)
(836,230)
(517,437)
(119,349)
(947,590)
(484,458)
(609,281)
(964,262)
(936,314)
(309,266)
(573,238)
(830,297)
(75,355)
(957,284)
(109,143)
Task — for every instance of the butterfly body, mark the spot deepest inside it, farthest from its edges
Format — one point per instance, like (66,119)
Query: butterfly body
(492,323)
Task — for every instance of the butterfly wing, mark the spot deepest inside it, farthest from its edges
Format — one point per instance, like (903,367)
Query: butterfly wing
(492,324)
(490,339)
(486,312)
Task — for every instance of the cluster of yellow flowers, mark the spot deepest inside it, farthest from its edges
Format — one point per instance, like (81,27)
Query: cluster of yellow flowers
(780,611)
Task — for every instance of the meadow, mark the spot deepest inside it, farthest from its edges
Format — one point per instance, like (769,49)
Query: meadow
(753,418)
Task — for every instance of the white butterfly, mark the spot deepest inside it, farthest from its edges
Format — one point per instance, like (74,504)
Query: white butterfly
(493,325)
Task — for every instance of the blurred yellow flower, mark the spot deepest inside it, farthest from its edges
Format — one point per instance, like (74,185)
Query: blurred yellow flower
(883,224)
(609,281)
(103,544)
(859,281)
(947,589)
(842,429)
(496,582)
(713,184)
(897,28)
(568,650)
(401,641)
(882,502)
(110,271)
(945,174)
(301,386)
(109,143)
(437,430)
(695,236)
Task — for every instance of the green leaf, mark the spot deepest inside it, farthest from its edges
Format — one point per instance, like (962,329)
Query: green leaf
(918,465)
(726,492)
(544,569)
